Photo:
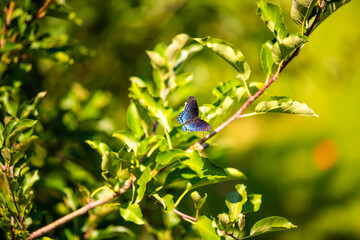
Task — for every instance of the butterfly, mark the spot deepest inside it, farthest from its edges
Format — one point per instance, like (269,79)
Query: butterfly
(190,118)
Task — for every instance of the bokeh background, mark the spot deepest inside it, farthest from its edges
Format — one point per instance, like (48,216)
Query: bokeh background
(307,169)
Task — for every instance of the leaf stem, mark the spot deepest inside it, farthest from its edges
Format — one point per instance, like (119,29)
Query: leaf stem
(168,138)
(245,85)
(182,195)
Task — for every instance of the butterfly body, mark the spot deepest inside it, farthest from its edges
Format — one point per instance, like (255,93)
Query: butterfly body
(189,118)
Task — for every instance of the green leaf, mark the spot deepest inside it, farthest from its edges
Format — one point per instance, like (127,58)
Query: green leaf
(271,224)
(169,156)
(185,174)
(29,107)
(152,142)
(230,174)
(6,154)
(185,54)
(154,105)
(271,15)
(112,232)
(129,139)
(301,10)
(252,204)
(230,96)
(331,7)
(197,199)
(203,167)
(157,61)
(133,120)
(110,159)
(1,134)
(10,106)
(180,80)
(223,221)
(266,59)
(280,104)
(281,51)
(19,128)
(229,52)
(167,201)
(133,214)
(9,127)
(173,50)
(29,181)
(235,201)
(205,228)
(141,182)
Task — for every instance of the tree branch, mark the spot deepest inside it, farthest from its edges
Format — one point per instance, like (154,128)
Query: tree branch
(199,144)
(80,211)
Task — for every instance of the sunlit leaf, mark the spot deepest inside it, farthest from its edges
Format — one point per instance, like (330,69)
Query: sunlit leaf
(19,128)
(173,50)
(331,7)
(203,167)
(235,201)
(154,105)
(252,204)
(197,199)
(181,80)
(149,143)
(301,10)
(29,181)
(166,201)
(185,54)
(281,51)
(110,159)
(29,107)
(133,120)
(9,104)
(141,182)
(229,52)
(271,15)
(185,175)
(129,139)
(271,224)
(169,156)
(266,59)
(133,214)
(111,232)
(206,229)
(280,104)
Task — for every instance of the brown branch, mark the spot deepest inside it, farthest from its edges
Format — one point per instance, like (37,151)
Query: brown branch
(9,12)
(182,215)
(12,228)
(41,13)
(199,144)
(80,211)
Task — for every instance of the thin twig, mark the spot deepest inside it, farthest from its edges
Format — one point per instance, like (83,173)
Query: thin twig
(198,145)
(80,211)
(40,13)
(12,228)
(181,214)
(230,235)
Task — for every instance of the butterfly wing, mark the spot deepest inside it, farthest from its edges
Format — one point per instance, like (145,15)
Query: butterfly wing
(197,125)
(190,112)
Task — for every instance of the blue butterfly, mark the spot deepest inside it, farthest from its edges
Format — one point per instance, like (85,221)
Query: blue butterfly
(190,118)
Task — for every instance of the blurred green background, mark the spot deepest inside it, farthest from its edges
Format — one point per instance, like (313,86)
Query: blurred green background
(305,168)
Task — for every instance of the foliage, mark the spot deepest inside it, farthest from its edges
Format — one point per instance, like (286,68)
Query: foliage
(152,161)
